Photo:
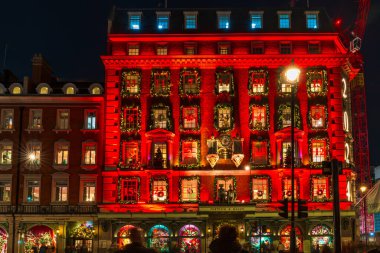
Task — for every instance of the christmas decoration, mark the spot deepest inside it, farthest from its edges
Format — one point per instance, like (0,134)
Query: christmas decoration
(131,122)
(189,81)
(316,81)
(226,181)
(130,157)
(161,191)
(319,137)
(82,232)
(190,163)
(286,188)
(212,159)
(182,181)
(224,81)
(260,192)
(282,116)
(223,122)
(257,143)
(160,82)
(121,188)
(258,81)
(257,123)
(131,83)
(320,197)
(237,159)
(283,87)
(190,239)
(190,115)
(159,238)
(317,116)
(158,159)
(164,118)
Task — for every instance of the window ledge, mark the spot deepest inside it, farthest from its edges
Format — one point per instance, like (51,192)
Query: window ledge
(5,166)
(84,130)
(7,130)
(89,166)
(39,130)
(33,167)
(88,203)
(60,166)
(62,130)
(34,203)
(59,203)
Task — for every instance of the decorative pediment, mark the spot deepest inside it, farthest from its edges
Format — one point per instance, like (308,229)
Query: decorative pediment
(159,132)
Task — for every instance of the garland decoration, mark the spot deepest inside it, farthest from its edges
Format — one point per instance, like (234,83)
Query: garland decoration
(319,197)
(82,231)
(258,125)
(224,178)
(195,115)
(160,82)
(128,84)
(288,192)
(130,119)
(227,121)
(316,81)
(224,77)
(190,164)
(160,117)
(281,116)
(189,178)
(260,193)
(317,138)
(159,192)
(318,116)
(257,78)
(262,142)
(133,164)
(189,76)
(120,189)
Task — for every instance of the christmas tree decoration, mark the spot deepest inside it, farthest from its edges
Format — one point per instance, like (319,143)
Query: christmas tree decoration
(82,232)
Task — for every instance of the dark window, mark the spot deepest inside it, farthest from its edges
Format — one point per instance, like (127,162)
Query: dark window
(314,48)
(285,48)
(257,47)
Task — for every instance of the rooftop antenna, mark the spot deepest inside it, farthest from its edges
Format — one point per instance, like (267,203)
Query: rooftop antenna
(5,55)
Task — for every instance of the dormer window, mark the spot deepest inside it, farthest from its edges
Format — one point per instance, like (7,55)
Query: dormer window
(312,20)
(284,20)
(95,89)
(69,89)
(256,20)
(223,19)
(163,20)
(15,89)
(43,89)
(190,20)
(134,20)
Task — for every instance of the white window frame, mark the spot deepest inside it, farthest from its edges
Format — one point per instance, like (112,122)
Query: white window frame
(256,13)
(87,178)
(29,178)
(224,14)
(187,14)
(59,177)
(132,26)
(7,179)
(58,126)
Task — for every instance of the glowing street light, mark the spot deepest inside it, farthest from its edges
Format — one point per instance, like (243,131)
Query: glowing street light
(363,188)
(32,157)
(292,74)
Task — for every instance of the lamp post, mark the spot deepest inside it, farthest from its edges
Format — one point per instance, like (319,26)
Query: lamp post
(363,189)
(292,76)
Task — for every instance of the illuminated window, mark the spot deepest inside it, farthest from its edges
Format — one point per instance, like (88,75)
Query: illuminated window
(256,20)
(61,190)
(260,152)
(16,90)
(315,81)
(257,47)
(190,20)
(90,119)
(35,119)
(130,153)
(162,50)
(89,153)
(131,118)
(320,188)
(259,117)
(286,117)
(44,90)
(224,183)
(159,190)
(63,119)
(5,191)
(189,152)
(317,114)
(224,81)
(62,153)
(131,82)
(7,119)
(134,20)
(224,118)
(314,47)
(287,188)
(160,118)
(96,91)
(285,48)
(160,155)
(6,152)
(162,20)
(33,191)
(312,20)
(224,48)
(257,80)
(190,48)
(190,117)
(189,189)
(129,190)
(223,20)
(318,149)
(161,83)
(284,20)
(34,153)
(133,50)
(70,91)
(260,188)
(190,82)
(89,191)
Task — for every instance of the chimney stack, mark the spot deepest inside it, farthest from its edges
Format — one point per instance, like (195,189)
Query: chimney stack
(41,71)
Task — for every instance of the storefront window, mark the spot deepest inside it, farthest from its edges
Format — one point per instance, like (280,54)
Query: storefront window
(321,235)
(189,240)
(285,238)
(159,238)
(261,238)
(37,236)
(124,236)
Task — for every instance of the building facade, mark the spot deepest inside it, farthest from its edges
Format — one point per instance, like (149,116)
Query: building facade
(193,131)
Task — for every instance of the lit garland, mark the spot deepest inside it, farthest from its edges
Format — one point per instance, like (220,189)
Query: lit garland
(193,165)
(164,86)
(168,115)
(131,166)
(224,178)
(269,199)
(266,141)
(130,118)
(120,188)
(159,178)
(196,82)
(315,198)
(182,119)
(325,139)
(220,72)
(198,188)
(297,117)
(313,74)
(251,78)
(125,83)
(258,126)
(316,117)
(82,232)
(216,117)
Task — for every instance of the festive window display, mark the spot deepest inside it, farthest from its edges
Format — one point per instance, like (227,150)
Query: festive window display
(189,189)
(223,119)
(224,81)
(190,118)
(160,82)
(33,191)
(82,235)
(321,235)
(131,82)
(190,81)
(130,155)
(3,240)
(259,156)
(320,188)
(160,117)
(129,190)
(284,117)
(259,117)
(225,189)
(318,151)
(5,191)
(130,118)
(123,236)
(258,82)
(317,116)
(37,236)
(316,81)
(260,188)
(261,238)
(160,155)
(159,238)
(159,187)
(285,238)
(6,152)
(287,188)
(286,154)
(190,152)
(189,239)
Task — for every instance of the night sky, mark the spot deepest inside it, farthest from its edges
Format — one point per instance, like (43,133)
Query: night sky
(72,34)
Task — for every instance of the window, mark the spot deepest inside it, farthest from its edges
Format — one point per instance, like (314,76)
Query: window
(257,47)
(160,155)
(285,48)
(159,188)
(89,191)
(287,188)
(189,189)
(260,188)
(5,191)
(224,48)
(160,82)
(320,187)
(190,20)
(189,152)
(131,155)
(190,48)
(129,190)
(6,152)
(317,115)
(258,79)
(314,47)
(223,19)
(16,90)
(90,119)
(311,20)
(33,191)
(7,117)
(34,153)
(133,50)
(63,119)
(134,20)
(224,81)
(190,81)
(70,90)
(284,20)
(35,119)
(316,82)
(160,117)
(318,151)
(256,20)
(44,90)
(96,91)
(260,152)
(89,153)
(61,190)
(286,117)
(224,184)
(131,80)
(62,153)
(163,20)
(259,117)
(162,50)
(224,118)
(130,119)
(286,154)
(190,117)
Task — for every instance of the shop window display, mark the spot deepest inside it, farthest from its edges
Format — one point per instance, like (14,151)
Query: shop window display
(37,236)
(285,238)
(321,235)
(123,236)
(159,238)
(261,238)
(3,240)
(189,239)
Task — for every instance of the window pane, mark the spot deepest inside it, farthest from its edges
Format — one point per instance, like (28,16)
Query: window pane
(260,188)
(259,117)
(224,21)
(160,118)
(134,22)
(6,154)
(312,21)
(159,190)
(317,114)
(163,22)
(287,191)
(61,191)
(63,119)
(189,189)
(33,191)
(89,191)
(91,120)
(131,83)
(160,155)
(189,152)
(131,153)
(62,154)
(90,154)
(320,188)
(7,118)
(224,118)
(190,117)
(191,21)
(133,50)
(129,190)
(5,191)
(284,21)
(256,21)
(318,151)
(259,152)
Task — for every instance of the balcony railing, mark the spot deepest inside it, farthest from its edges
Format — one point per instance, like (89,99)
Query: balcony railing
(52,209)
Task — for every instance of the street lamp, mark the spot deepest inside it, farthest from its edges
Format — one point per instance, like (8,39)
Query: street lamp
(292,76)
(363,188)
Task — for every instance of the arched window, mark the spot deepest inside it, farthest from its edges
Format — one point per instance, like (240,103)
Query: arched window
(70,91)
(95,91)
(285,238)
(3,240)
(190,239)
(321,235)
(261,237)
(123,235)
(159,238)
(44,90)
(16,90)
(38,235)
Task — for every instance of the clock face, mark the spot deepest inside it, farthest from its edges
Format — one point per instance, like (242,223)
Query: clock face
(225,140)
